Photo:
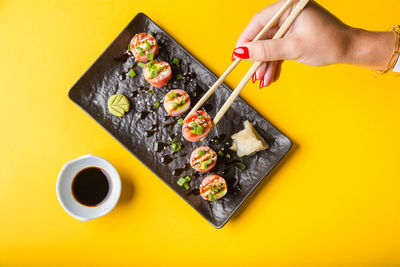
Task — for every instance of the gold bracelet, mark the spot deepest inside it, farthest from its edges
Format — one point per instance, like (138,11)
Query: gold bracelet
(395,55)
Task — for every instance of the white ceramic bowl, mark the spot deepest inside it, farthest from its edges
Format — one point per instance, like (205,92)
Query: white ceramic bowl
(64,192)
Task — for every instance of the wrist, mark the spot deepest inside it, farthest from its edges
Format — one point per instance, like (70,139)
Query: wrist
(369,49)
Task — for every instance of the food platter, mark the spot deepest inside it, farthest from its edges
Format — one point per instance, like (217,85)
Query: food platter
(147,131)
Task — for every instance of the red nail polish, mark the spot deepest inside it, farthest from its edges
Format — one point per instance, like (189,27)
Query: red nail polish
(254,78)
(233,56)
(262,83)
(241,52)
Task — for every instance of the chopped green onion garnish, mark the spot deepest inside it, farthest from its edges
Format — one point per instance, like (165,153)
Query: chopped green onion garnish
(217,141)
(175,61)
(240,166)
(183,101)
(157,104)
(141,53)
(150,56)
(205,164)
(129,47)
(180,121)
(141,64)
(181,181)
(132,73)
(201,117)
(211,197)
(197,129)
(176,146)
(152,33)
(171,95)
(201,152)
(150,91)
(179,76)
(214,189)
(220,153)
(153,74)
(148,46)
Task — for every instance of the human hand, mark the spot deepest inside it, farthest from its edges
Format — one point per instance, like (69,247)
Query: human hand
(316,38)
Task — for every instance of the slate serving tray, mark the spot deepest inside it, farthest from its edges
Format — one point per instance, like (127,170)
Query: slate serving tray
(147,131)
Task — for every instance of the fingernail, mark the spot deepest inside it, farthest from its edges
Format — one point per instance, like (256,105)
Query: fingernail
(262,83)
(241,52)
(254,78)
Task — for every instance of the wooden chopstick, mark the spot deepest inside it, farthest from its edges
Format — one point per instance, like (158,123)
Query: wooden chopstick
(282,30)
(266,28)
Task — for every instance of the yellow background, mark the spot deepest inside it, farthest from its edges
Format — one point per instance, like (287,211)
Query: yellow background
(333,201)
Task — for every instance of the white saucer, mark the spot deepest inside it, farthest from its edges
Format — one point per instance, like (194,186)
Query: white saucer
(64,192)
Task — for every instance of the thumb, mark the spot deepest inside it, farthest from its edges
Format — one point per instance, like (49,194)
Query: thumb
(265,50)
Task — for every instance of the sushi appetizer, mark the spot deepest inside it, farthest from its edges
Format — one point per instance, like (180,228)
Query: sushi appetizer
(213,187)
(248,141)
(196,126)
(203,159)
(176,102)
(157,73)
(144,47)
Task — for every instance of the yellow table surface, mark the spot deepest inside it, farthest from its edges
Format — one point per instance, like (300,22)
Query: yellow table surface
(333,201)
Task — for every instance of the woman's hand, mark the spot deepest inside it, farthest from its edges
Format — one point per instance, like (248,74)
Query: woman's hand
(316,38)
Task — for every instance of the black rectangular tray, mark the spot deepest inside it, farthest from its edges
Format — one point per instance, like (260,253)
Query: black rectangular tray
(147,131)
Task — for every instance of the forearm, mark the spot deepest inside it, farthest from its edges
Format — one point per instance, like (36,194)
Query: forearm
(369,49)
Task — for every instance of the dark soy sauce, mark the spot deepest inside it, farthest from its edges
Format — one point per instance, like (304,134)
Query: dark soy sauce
(90,186)
(134,94)
(207,107)
(123,58)
(143,114)
(178,171)
(172,137)
(189,77)
(170,124)
(122,76)
(160,146)
(166,159)
(219,140)
(150,133)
